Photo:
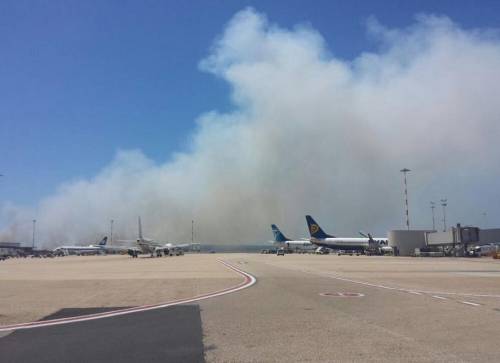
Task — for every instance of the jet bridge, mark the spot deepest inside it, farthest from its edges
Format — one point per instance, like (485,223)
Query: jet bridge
(455,235)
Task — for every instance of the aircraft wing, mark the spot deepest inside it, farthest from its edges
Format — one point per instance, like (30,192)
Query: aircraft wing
(126,241)
(121,248)
(300,243)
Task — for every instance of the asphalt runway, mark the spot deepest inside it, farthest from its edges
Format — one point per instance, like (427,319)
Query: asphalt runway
(303,308)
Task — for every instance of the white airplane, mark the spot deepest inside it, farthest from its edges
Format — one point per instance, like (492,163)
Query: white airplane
(99,248)
(281,240)
(150,246)
(143,245)
(366,244)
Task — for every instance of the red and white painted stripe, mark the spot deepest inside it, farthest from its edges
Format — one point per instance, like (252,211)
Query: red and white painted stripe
(248,280)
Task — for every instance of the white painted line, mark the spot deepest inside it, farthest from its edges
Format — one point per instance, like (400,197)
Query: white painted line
(439,297)
(416,292)
(248,281)
(470,303)
(460,294)
(342,294)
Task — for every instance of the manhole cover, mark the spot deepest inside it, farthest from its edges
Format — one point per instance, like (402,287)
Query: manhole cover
(342,294)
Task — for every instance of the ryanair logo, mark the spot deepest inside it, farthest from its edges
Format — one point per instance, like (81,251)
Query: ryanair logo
(314,228)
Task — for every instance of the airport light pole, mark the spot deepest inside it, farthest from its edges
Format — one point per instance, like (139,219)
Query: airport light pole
(192,232)
(111,232)
(433,206)
(405,171)
(34,226)
(485,215)
(444,203)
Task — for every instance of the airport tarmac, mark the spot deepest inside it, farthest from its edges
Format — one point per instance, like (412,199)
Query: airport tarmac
(435,317)
(303,308)
(34,288)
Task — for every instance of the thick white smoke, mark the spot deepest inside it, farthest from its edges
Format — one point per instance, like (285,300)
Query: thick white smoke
(310,133)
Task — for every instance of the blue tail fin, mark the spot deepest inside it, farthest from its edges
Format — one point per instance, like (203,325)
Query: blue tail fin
(315,230)
(103,241)
(278,236)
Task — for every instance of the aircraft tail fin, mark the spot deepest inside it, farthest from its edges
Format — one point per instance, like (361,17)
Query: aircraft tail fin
(315,230)
(104,241)
(278,236)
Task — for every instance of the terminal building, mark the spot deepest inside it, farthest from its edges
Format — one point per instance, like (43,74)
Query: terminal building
(454,242)
(13,249)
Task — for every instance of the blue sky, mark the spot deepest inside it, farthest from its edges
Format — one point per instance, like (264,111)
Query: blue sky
(83,79)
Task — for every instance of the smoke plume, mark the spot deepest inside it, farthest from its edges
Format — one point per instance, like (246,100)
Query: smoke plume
(309,133)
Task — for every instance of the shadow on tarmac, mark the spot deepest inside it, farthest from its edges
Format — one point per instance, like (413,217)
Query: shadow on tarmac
(172,334)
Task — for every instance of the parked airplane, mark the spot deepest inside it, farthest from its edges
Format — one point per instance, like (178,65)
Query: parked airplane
(99,248)
(281,240)
(367,244)
(150,246)
(143,245)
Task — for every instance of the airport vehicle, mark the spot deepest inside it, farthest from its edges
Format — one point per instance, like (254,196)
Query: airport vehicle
(348,252)
(281,240)
(280,252)
(366,244)
(321,251)
(100,247)
(176,249)
(484,250)
(267,251)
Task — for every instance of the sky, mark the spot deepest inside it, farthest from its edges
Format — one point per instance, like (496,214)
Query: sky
(86,87)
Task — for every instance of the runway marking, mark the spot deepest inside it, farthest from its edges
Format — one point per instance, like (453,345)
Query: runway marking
(342,294)
(411,291)
(470,303)
(439,297)
(248,281)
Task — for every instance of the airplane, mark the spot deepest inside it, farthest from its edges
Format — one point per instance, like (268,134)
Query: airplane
(280,239)
(142,245)
(366,244)
(149,246)
(99,248)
